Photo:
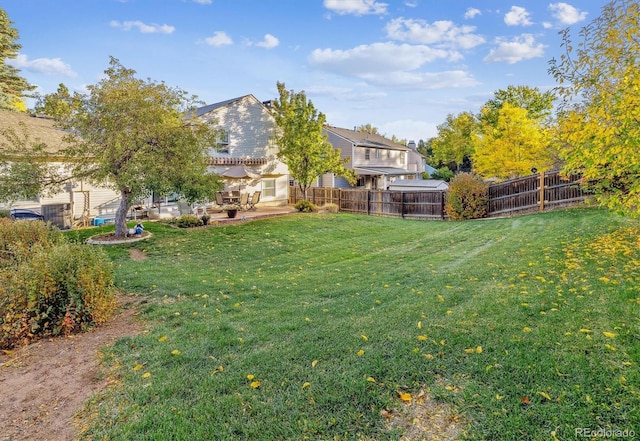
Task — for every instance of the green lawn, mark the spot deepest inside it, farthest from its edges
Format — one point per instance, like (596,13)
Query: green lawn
(315,326)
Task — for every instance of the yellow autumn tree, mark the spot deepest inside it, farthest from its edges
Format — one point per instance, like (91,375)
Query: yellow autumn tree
(599,119)
(513,146)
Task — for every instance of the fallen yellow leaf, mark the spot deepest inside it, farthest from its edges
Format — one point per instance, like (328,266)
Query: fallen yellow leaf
(255,384)
(610,334)
(314,363)
(250,377)
(306,384)
(146,375)
(405,396)
(422,337)
(371,379)
(163,338)
(137,367)
(360,353)
(545,395)
(175,352)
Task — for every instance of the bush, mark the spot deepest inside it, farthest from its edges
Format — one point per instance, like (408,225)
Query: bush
(4,213)
(331,208)
(467,197)
(306,206)
(188,221)
(443,173)
(49,286)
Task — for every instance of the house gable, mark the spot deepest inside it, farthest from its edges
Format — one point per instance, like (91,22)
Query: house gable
(249,128)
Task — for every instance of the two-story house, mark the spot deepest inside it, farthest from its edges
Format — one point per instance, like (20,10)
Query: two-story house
(247,130)
(376,160)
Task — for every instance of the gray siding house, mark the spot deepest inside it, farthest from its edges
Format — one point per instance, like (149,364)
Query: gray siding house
(377,161)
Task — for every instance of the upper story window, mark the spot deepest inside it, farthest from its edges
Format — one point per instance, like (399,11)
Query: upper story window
(367,154)
(378,154)
(222,141)
(402,157)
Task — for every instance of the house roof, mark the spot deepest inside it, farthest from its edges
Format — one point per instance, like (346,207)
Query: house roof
(211,107)
(363,139)
(39,129)
(426,184)
(389,171)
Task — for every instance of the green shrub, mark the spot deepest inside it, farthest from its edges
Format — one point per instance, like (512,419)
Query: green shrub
(4,214)
(443,173)
(50,286)
(467,197)
(306,206)
(188,221)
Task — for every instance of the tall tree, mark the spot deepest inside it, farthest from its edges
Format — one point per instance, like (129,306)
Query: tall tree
(513,147)
(302,145)
(454,143)
(136,136)
(13,87)
(368,128)
(539,105)
(599,82)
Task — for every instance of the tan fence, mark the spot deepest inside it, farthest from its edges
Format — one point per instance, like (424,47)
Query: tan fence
(538,192)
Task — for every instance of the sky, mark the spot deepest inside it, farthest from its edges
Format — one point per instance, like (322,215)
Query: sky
(400,65)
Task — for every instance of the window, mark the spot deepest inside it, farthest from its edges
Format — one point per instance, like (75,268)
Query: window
(367,154)
(402,157)
(222,141)
(269,188)
(377,153)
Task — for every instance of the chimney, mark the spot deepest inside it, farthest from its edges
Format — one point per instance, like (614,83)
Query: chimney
(412,145)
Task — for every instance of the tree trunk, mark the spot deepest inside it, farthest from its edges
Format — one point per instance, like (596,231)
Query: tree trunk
(121,213)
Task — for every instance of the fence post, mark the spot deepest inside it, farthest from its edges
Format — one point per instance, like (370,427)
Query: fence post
(541,191)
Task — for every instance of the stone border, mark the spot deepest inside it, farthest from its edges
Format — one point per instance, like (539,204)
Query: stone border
(92,241)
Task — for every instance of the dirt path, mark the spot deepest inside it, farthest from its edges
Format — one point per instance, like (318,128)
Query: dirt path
(44,384)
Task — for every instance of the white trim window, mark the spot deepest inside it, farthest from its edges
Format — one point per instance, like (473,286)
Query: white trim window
(222,141)
(269,188)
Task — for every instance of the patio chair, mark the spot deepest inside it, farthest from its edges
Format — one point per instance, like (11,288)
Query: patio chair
(255,198)
(219,200)
(244,201)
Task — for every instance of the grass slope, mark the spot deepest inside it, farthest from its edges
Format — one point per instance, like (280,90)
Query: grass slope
(308,326)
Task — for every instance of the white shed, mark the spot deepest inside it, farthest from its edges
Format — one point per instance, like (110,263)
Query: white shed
(418,185)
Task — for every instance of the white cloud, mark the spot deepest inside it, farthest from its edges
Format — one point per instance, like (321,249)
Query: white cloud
(443,33)
(566,14)
(472,13)
(421,80)
(518,16)
(377,57)
(356,7)
(391,65)
(269,42)
(519,48)
(219,39)
(203,2)
(47,66)
(143,27)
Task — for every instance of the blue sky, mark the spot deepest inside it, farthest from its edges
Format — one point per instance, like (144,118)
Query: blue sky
(400,65)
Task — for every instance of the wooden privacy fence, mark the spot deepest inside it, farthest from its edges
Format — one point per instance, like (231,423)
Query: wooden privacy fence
(538,192)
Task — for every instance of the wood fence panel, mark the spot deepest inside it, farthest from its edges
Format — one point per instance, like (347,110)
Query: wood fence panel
(515,196)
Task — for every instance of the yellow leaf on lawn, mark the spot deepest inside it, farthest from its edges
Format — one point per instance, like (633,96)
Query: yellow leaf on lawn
(146,375)
(469,350)
(364,337)
(371,379)
(585,330)
(250,377)
(175,352)
(163,338)
(422,337)
(255,384)
(545,395)
(360,353)
(478,349)
(137,367)
(611,348)
(306,384)
(526,329)
(610,334)
(405,396)
(419,324)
